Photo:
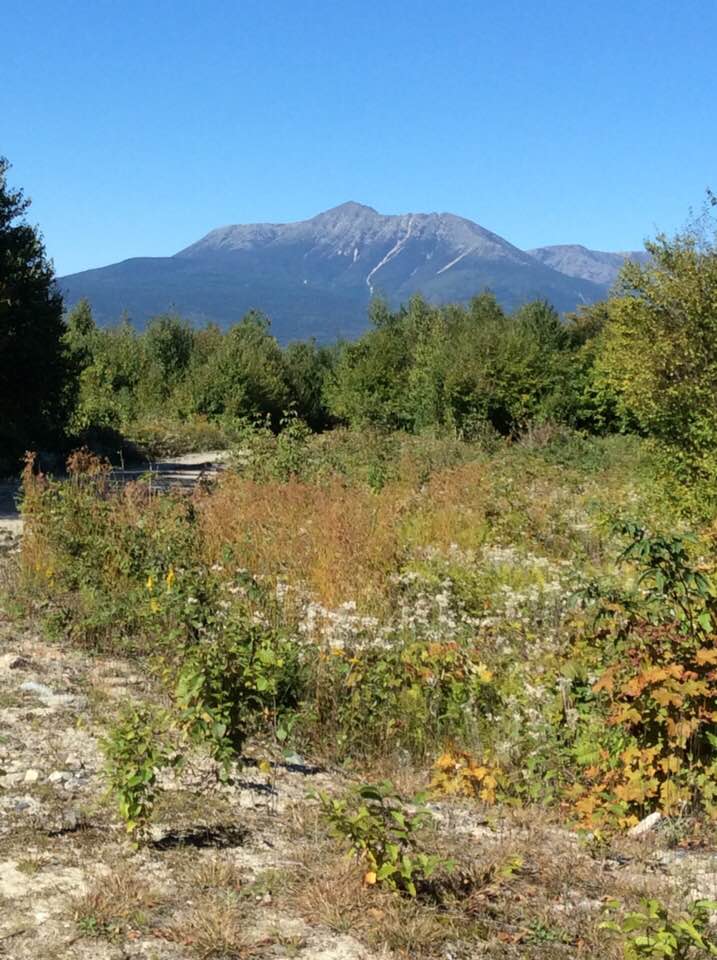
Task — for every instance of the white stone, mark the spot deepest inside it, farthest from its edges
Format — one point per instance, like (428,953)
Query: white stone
(57,776)
(645,825)
(31,776)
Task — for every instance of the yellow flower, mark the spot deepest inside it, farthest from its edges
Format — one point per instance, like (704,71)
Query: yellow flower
(484,674)
(170,578)
(150,583)
(154,606)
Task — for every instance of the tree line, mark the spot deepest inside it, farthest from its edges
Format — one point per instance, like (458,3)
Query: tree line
(644,360)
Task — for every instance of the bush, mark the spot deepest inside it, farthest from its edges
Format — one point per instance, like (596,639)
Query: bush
(658,688)
(386,834)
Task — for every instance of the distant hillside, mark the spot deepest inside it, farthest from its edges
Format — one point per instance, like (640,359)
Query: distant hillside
(576,261)
(316,277)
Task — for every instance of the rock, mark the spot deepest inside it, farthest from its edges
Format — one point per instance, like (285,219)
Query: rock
(18,663)
(31,776)
(70,819)
(49,697)
(14,884)
(58,776)
(39,689)
(645,825)
(11,779)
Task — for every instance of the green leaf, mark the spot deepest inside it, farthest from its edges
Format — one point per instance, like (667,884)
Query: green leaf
(386,870)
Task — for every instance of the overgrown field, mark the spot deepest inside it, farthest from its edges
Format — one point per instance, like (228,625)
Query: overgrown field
(521,630)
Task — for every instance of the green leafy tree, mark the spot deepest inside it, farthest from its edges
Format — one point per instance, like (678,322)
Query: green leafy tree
(35,387)
(369,383)
(246,376)
(587,400)
(168,343)
(307,369)
(110,384)
(475,366)
(660,348)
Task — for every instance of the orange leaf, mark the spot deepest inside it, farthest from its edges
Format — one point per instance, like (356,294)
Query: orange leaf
(706,655)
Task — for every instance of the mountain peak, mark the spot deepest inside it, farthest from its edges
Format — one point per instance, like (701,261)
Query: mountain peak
(352,206)
(315,277)
(575,260)
(350,212)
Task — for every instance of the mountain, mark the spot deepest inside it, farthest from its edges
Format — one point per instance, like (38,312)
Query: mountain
(576,261)
(316,277)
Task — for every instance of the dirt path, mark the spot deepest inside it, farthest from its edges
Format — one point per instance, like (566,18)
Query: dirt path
(184,471)
(10,520)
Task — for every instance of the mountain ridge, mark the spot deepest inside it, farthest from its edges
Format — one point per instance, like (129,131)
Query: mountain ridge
(315,277)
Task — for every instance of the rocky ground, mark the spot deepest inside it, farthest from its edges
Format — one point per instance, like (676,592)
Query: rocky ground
(73,886)
(246,870)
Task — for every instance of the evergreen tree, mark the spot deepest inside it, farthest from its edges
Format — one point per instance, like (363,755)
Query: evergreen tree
(34,372)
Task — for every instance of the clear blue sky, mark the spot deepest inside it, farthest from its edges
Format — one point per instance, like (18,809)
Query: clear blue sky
(136,127)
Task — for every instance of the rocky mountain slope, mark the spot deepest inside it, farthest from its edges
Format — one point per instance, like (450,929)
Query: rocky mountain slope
(316,277)
(576,261)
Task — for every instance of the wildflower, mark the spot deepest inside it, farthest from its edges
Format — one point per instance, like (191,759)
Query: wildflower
(150,583)
(169,579)
(484,674)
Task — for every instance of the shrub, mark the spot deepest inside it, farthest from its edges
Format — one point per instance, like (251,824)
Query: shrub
(408,695)
(386,834)
(652,932)
(658,688)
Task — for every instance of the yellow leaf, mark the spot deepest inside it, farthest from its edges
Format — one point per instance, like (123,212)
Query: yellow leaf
(667,697)
(706,655)
(445,761)
(370,878)
(671,764)
(606,681)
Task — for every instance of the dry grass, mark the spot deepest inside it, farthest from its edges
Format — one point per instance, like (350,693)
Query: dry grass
(214,926)
(215,873)
(525,889)
(341,542)
(115,902)
(452,508)
(328,891)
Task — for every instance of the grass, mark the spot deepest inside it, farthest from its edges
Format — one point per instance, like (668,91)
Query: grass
(116,902)
(527,887)
(411,597)
(214,873)
(213,927)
